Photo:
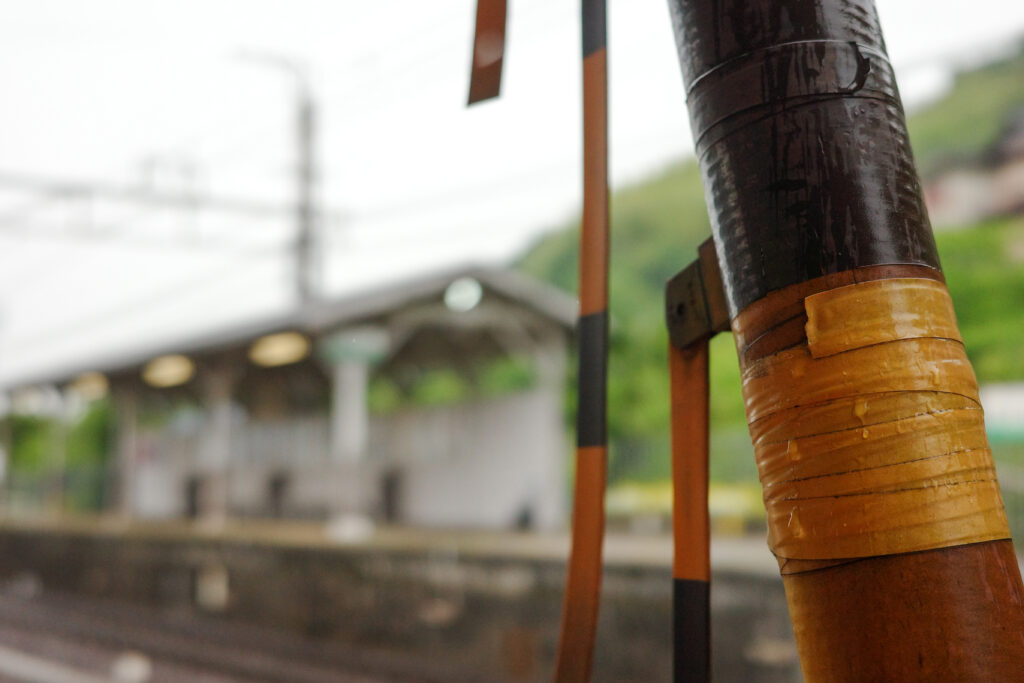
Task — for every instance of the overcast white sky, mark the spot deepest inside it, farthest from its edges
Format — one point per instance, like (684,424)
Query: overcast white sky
(100,91)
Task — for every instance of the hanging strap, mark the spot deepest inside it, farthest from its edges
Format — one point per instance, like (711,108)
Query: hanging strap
(488,50)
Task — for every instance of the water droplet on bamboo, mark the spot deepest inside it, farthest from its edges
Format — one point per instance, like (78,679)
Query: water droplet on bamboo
(794,525)
(860,409)
(793,450)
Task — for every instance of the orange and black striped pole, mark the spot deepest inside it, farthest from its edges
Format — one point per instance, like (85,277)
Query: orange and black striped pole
(882,504)
(695,309)
(583,583)
(691,558)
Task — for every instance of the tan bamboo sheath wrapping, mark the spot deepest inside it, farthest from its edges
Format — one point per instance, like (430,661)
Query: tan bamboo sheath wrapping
(881,497)
(870,437)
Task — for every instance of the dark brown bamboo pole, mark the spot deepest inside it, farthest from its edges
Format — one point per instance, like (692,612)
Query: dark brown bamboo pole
(881,496)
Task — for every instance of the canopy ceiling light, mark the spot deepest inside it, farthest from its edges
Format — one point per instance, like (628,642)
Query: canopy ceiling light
(90,385)
(168,371)
(463,295)
(282,348)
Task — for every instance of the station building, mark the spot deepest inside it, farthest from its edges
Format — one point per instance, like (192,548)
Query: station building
(275,418)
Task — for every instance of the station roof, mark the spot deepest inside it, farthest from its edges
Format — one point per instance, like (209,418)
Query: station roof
(323,316)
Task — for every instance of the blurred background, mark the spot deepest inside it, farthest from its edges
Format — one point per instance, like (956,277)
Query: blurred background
(286,334)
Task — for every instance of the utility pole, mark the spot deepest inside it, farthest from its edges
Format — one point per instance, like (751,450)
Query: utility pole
(307,243)
(308,238)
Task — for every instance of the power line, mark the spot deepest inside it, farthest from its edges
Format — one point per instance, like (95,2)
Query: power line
(146,200)
(146,302)
(69,189)
(102,239)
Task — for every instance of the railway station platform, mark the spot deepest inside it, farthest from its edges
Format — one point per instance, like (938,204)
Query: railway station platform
(296,601)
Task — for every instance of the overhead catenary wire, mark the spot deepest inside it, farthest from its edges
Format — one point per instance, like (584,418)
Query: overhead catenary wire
(166,295)
(124,233)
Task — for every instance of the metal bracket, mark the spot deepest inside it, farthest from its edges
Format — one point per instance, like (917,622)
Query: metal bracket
(695,304)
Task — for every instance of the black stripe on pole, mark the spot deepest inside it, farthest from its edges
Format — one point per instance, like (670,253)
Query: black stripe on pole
(691,622)
(595,31)
(593,368)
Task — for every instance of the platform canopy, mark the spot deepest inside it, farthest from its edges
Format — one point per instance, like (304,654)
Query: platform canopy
(445,319)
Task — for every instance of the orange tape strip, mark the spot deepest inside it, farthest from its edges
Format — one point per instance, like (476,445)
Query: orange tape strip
(870,409)
(793,377)
(861,448)
(870,439)
(938,516)
(850,317)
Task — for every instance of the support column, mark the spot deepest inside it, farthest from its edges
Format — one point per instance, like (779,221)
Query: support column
(126,402)
(215,450)
(349,437)
(551,359)
(56,470)
(350,415)
(350,355)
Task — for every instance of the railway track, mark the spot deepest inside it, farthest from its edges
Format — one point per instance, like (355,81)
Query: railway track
(71,638)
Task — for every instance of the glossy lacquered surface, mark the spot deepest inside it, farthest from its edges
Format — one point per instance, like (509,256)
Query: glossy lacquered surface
(949,614)
(802,142)
(955,614)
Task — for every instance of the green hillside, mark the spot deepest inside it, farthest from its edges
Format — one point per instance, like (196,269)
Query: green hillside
(984,269)
(658,224)
(964,123)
